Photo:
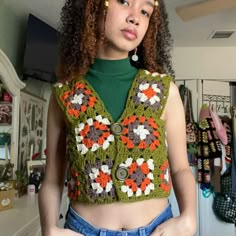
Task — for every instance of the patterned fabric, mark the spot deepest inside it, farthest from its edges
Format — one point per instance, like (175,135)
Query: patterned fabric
(93,134)
(140,177)
(209,148)
(140,132)
(77,99)
(99,179)
(224,203)
(112,161)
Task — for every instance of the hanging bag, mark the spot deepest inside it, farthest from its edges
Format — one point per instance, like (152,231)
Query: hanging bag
(224,203)
(191,126)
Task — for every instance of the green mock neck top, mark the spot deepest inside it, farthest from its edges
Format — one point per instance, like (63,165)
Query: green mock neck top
(112,79)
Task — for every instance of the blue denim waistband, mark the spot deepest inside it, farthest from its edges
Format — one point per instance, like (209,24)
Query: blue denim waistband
(78,224)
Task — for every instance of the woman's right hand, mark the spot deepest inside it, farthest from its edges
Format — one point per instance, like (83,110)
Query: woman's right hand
(62,232)
(68,232)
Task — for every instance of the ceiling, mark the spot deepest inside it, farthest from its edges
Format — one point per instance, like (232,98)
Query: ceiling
(193,33)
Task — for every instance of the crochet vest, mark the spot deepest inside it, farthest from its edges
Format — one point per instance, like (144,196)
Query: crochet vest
(124,160)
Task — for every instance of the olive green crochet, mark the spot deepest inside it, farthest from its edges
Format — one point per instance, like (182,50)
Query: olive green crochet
(125,160)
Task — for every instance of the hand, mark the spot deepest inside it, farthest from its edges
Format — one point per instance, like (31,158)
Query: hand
(175,226)
(62,232)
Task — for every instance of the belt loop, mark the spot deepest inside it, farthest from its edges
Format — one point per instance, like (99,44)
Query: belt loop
(102,232)
(142,231)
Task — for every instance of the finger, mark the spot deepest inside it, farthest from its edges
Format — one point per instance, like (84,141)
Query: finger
(157,232)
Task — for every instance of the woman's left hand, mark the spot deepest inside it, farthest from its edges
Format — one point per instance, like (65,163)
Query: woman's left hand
(175,226)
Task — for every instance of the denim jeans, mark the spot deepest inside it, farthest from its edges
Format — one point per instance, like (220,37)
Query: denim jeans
(76,223)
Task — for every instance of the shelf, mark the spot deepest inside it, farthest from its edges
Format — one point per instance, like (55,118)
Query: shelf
(5,124)
(5,103)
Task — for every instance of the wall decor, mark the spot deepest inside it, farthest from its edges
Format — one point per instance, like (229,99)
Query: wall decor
(217,94)
(32,111)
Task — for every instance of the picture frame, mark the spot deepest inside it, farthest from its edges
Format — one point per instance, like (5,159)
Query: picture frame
(5,113)
(36,166)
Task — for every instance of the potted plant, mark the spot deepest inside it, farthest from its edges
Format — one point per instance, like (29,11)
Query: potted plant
(21,181)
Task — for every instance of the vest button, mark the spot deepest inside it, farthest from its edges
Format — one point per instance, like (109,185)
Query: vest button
(122,173)
(116,128)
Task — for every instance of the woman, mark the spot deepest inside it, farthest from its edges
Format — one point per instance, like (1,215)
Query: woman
(119,128)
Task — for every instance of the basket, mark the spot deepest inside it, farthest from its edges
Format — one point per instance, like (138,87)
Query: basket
(6,199)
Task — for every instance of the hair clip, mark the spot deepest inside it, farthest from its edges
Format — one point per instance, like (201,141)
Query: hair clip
(156,3)
(106,3)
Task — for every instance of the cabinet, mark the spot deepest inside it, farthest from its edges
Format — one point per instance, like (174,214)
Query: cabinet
(13,85)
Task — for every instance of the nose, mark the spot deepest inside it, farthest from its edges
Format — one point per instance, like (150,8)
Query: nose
(133,19)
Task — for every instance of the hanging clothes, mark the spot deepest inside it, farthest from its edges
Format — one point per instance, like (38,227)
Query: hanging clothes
(209,149)
(214,156)
(234,149)
(191,125)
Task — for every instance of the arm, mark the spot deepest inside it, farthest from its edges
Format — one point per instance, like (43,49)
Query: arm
(182,177)
(51,191)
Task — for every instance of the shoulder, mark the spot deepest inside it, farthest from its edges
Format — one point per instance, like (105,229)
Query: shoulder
(164,80)
(173,91)
(67,82)
(174,104)
(167,81)
(155,74)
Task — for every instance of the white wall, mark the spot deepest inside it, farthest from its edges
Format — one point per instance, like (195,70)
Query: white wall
(217,63)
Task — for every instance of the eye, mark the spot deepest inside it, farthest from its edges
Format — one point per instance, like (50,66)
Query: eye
(124,2)
(145,13)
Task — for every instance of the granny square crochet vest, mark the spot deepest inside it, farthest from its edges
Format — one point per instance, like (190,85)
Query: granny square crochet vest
(124,160)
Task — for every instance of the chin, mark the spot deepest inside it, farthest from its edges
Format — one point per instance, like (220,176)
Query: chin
(125,47)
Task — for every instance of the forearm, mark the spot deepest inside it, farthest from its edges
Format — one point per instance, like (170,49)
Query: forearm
(49,205)
(185,191)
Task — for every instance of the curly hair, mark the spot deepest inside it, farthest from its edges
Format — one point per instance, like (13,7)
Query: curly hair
(80,27)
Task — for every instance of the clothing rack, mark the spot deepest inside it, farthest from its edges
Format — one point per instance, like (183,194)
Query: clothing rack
(221,102)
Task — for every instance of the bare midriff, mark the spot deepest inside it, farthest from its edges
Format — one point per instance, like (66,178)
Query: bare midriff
(118,216)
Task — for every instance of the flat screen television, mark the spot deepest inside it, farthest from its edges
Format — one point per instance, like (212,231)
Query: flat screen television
(41,51)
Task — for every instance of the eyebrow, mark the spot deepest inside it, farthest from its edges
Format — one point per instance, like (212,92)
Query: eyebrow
(150,3)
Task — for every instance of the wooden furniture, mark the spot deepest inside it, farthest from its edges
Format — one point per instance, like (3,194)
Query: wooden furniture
(13,85)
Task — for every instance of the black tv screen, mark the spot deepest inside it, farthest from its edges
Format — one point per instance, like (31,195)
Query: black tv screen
(41,51)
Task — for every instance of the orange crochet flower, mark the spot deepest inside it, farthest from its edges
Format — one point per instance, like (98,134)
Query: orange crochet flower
(77,99)
(166,183)
(140,132)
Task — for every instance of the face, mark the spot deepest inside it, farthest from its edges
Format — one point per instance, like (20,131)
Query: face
(125,26)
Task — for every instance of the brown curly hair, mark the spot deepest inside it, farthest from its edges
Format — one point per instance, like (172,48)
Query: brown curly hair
(80,29)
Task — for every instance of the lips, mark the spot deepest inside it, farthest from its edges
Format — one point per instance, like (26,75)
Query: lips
(129,33)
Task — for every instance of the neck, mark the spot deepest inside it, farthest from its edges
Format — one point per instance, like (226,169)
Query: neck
(111,67)
(109,52)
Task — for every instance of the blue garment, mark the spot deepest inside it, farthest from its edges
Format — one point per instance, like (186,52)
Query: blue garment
(78,224)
